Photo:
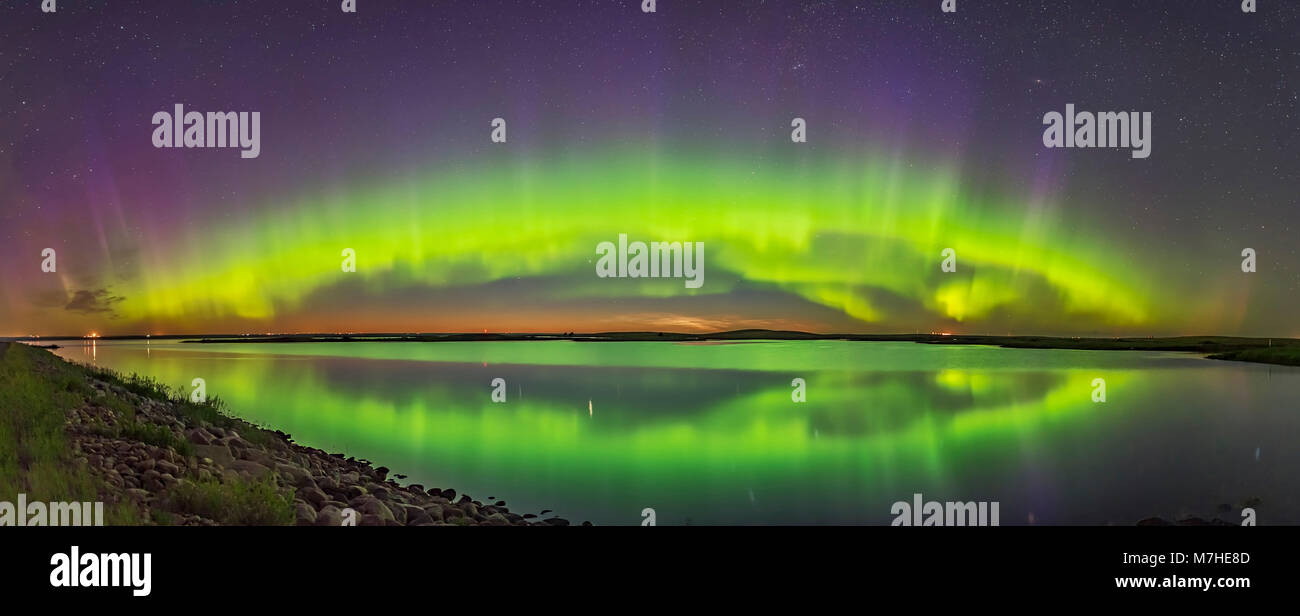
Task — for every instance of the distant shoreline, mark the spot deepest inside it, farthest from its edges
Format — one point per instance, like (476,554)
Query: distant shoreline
(1283,351)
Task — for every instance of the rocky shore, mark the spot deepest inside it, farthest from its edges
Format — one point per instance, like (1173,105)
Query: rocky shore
(153,452)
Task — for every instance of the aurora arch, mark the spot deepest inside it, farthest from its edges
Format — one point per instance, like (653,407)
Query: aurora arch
(835,233)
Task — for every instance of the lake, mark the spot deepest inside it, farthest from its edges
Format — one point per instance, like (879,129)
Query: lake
(709,433)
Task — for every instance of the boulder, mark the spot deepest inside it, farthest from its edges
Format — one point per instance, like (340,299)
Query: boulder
(312,495)
(304,515)
(373,506)
(219,454)
(199,436)
(434,511)
(329,515)
(248,466)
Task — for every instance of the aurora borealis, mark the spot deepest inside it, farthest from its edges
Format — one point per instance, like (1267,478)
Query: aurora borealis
(924,134)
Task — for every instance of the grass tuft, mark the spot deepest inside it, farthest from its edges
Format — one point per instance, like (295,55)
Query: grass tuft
(240,502)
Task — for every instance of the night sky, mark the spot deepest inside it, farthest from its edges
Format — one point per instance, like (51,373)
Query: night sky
(924,132)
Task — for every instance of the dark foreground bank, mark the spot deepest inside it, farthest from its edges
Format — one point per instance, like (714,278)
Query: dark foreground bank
(69,433)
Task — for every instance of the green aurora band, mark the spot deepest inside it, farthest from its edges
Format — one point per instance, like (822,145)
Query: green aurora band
(839,233)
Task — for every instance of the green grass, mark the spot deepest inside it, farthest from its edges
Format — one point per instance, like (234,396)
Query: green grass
(36,391)
(245,503)
(212,411)
(155,435)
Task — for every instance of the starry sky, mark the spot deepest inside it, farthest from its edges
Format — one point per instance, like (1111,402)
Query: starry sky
(924,133)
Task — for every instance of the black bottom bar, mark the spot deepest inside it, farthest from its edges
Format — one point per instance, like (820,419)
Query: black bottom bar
(312,566)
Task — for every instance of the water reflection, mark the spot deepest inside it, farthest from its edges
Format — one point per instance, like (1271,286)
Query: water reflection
(712,435)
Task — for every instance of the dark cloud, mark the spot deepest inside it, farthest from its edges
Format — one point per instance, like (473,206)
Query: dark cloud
(97,301)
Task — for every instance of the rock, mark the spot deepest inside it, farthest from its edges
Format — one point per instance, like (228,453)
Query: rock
(250,467)
(199,436)
(297,477)
(381,473)
(556,521)
(304,514)
(368,504)
(219,454)
(371,519)
(354,491)
(409,511)
(329,515)
(451,513)
(434,511)
(399,514)
(499,503)
(449,494)
(421,519)
(312,495)
(255,455)
(373,506)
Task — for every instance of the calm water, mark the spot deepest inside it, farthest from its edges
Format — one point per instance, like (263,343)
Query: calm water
(708,434)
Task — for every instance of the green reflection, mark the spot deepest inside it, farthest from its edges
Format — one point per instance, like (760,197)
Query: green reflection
(706,434)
